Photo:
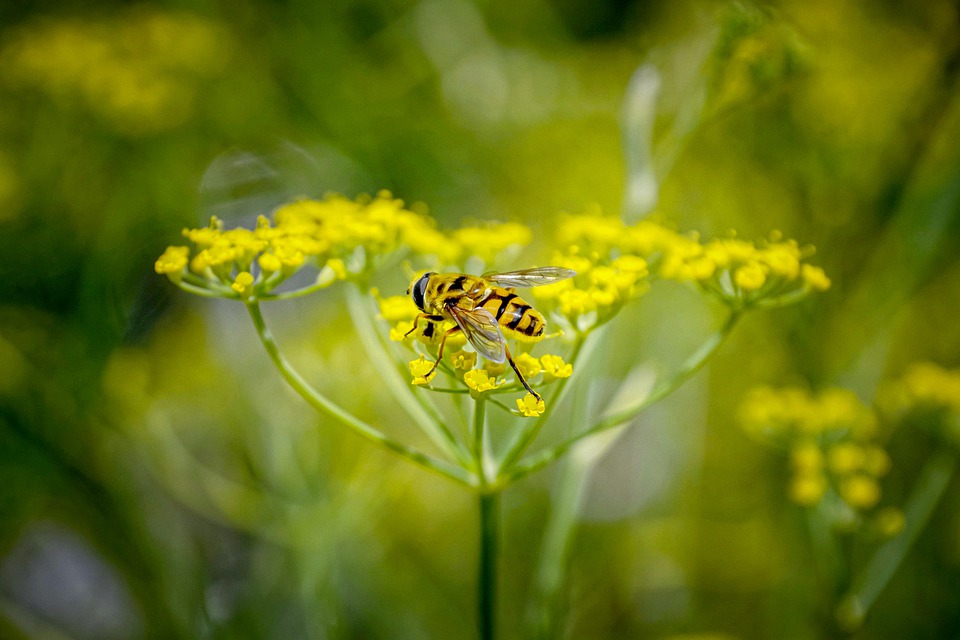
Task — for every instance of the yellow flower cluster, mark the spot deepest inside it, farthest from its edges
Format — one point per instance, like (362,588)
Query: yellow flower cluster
(831,438)
(599,290)
(488,241)
(924,386)
(339,236)
(739,272)
(139,71)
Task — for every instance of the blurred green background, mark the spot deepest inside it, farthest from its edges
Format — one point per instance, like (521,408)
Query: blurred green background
(157,479)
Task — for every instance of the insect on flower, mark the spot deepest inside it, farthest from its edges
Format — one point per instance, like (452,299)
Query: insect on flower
(485,308)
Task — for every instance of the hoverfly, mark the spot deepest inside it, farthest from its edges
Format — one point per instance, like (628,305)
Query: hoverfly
(484,308)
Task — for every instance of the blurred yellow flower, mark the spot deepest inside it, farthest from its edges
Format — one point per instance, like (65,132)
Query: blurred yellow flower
(808,488)
(924,386)
(750,276)
(397,308)
(860,491)
(173,261)
(243,284)
(830,439)
(139,71)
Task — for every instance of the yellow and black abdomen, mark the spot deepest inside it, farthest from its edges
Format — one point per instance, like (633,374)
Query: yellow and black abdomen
(516,318)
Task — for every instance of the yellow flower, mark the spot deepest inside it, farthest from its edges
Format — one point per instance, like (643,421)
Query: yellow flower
(488,241)
(396,308)
(494,368)
(338,267)
(807,489)
(173,261)
(860,492)
(846,457)
(243,283)
(398,333)
(530,406)
(554,367)
(420,369)
(750,276)
(528,365)
(269,263)
(806,458)
(479,380)
(815,277)
(464,360)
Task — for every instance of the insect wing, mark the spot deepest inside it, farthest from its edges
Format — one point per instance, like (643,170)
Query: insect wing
(482,331)
(531,277)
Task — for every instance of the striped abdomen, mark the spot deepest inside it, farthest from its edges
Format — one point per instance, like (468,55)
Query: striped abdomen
(513,314)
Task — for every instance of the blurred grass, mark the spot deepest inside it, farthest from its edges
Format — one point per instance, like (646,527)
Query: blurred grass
(152,429)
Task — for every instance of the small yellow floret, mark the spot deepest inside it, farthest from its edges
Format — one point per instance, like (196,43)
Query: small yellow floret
(243,283)
(554,367)
(806,458)
(846,457)
(479,380)
(807,489)
(815,277)
(173,260)
(398,332)
(269,263)
(338,267)
(420,369)
(860,492)
(464,360)
(528,365)
(530,406)
(750,276)
(396,308)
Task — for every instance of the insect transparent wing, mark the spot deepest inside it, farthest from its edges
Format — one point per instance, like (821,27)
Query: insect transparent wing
(241,184)
(482,331)
(531,277)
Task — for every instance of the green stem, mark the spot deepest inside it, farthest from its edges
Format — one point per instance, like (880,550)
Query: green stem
(324,405)
(927,492)
(479,422)
(693,364)
(487,569)
(420,410)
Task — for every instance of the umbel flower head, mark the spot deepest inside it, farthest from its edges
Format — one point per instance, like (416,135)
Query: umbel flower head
(341,238)
(831,440)
(615,262)
(925,390)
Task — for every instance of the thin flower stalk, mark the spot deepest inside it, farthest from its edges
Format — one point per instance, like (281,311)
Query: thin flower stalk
(693,364)
(320,402)
(420,411)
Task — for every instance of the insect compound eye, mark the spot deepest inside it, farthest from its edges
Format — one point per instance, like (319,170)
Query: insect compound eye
(420,289)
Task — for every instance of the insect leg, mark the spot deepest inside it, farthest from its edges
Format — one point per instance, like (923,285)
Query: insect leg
(416,321)
(520,376)
(443,341)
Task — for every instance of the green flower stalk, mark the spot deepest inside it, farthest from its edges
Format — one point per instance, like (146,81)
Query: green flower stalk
(424,358)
